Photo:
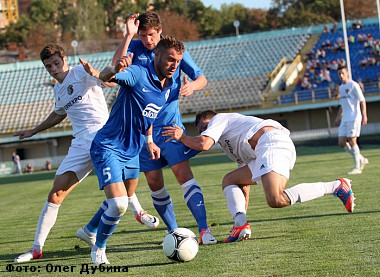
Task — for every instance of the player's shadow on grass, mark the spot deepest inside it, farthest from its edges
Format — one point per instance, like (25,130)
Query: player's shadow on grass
(303,217)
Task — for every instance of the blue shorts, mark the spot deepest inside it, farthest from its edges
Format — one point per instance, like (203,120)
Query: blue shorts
(172,152)
(111,167)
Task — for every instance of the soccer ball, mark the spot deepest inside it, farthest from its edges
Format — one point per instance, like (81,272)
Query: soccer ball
(180,245)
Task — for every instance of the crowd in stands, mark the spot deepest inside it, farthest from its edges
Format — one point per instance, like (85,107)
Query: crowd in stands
(324,59)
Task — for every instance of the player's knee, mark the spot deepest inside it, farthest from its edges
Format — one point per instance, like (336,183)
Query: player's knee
(227,180)
(276,202)
(117,206)
(56,197)
(183,174)
(342,144)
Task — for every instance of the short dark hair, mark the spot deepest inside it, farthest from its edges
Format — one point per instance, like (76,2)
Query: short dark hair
(149,20)
(168,42)
(51,50)
(204,115)
(341,67)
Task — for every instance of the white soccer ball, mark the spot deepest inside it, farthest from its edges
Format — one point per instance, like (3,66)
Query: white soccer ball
(180,245)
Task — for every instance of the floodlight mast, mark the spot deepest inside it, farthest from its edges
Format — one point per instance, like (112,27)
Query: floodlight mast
(348,62)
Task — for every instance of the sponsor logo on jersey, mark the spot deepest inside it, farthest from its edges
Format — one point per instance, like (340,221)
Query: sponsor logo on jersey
(151,110)
(239,161)
(70,89)
(72,102)
(142,58)
(146,90)
(187,151)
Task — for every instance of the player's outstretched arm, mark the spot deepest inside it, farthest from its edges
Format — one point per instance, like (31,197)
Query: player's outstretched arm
(131,28)
(200,143)
(52,120)
(188,87)
(94,72)
(108,72)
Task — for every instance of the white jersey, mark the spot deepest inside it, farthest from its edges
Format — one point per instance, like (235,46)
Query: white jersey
(350,97)
(81,97)
(233,130)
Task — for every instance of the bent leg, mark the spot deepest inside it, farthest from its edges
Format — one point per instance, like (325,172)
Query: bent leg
(236,200)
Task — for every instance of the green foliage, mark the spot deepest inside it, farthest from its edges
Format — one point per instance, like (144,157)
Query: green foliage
(314,238)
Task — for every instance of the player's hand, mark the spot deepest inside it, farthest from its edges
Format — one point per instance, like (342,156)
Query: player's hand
(174,133)
(337,121)
(364,120)
(154,150)
(123,63)
(23,134)
(89,69)
(186,88)
(132,25)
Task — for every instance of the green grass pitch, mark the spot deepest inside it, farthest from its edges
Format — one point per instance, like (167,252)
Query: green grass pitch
(316,238)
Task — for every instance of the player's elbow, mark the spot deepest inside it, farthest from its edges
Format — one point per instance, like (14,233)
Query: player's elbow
(204,146)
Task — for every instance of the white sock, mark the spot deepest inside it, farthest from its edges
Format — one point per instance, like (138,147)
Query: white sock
(46,221)
(348,149)
(236,204)
(134,204)
(357,156)
(309,191)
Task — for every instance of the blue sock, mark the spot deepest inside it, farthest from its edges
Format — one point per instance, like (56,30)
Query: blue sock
(164,207)
(110,219)
(194,200)
(92,226)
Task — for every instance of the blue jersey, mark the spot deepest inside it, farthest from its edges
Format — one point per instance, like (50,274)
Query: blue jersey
(169,113)
(139,100)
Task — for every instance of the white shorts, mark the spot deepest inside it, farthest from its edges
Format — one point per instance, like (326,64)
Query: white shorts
(350,129)
(78,159)
(275,151)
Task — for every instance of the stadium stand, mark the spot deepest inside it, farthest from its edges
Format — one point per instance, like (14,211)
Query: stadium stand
(27,98)
(237,70)
(364,49)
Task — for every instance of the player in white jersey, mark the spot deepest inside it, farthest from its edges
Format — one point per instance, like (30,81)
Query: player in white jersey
(79,97)
(351,115)
(265,154)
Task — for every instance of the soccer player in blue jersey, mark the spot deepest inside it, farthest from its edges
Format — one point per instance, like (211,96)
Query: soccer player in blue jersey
(174,154)
(116,147)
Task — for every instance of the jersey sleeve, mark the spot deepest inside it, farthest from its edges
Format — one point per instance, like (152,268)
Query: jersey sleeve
(216,127)
(189,67)
(128,77)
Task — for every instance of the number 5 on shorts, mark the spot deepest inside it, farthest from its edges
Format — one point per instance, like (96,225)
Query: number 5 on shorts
(107,174)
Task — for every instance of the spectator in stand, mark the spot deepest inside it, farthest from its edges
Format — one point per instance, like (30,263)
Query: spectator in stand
(335,27)
(361,38)
(359,25)
(326,29)
(369,43)
(306,83)
(351,39)
(325,75)
(334,65)
(363,62)
(29,168)
(47,166)
(361,85)
(16,163)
